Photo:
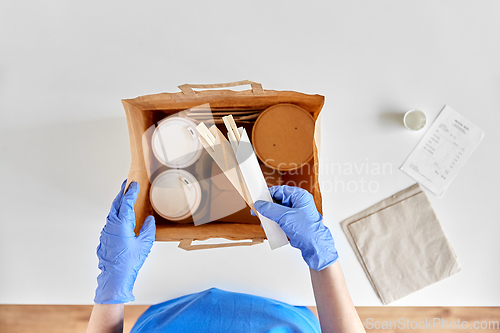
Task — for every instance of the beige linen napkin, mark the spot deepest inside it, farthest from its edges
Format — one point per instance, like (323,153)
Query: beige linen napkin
(401,245)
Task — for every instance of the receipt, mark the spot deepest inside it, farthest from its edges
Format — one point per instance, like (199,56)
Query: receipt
(444,149)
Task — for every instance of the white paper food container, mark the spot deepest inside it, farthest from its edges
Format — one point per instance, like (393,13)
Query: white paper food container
(175,142)
(175,194)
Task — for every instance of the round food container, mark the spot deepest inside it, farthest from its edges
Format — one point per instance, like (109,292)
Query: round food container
(283,137)
(175,194)
(175,142)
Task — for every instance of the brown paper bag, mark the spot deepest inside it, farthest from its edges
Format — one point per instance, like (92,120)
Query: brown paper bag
(145,111)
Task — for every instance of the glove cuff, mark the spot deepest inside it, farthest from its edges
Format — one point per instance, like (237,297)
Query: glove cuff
(114,289)
(321,252)
(317,262)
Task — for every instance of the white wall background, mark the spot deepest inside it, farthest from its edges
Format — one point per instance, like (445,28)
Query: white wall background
(65,66)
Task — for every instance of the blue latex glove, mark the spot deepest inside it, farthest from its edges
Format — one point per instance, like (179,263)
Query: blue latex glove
(302,223)
(121,254)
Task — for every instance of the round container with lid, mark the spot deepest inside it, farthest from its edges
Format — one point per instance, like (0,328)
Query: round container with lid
(175,194)
(175,142)
(283,137)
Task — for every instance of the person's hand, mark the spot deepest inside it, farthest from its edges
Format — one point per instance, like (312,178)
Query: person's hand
(121,254)
(302,223)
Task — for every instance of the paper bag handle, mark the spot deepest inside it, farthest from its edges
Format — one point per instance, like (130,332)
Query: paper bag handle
(187,89)
(185,244)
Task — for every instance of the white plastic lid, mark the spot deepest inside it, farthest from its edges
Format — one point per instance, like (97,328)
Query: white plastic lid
(175,142)
(175,194)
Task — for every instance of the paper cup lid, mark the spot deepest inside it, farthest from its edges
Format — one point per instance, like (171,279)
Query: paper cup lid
(175,142)
(175,194)
(283,137)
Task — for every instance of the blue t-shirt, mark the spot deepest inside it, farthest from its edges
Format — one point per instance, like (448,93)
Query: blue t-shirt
(216,310)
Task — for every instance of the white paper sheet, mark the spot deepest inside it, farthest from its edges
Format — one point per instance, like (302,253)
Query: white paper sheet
(444,149)
(257,188)
(240,165)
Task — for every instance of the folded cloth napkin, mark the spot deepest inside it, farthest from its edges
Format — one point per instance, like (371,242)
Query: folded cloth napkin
(401,245)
